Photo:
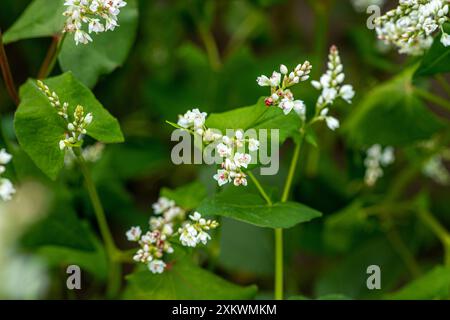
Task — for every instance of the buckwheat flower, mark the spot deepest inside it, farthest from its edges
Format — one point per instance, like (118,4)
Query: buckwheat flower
(188,236)
(173,213)
(157,266)
(222,177)
(223,150)
(445,39)
(347,93)
(143,255)
(411,25)
(331,82)
(375,159)
(134,234)
(98,15)
(253,144)
(162,205)
(331,122)
(192,119)
(436,170)
(239,178)
(196,216)
(203,237)
(7,189)
(280,82)
(210,136)
(242,159)
(5,157)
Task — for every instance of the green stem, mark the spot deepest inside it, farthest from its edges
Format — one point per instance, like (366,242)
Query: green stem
(211,47)
(438,230)
(260,188)
(7,75)
(114,254)
(292,167)
(52,56)
(443,83)
(432,98)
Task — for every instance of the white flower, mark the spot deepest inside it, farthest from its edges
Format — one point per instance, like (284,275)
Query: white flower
(90,13)
(188,236)
(286,105)
(142,255)
(239,179)
(223,150)
(263,81)
(283,69)
(347,93)
(242,159)
(157,266)
(275,79)
(134,234)
(376,157)
(445,39)
(5,157)
(173,213)
(332,122)
(82,37)
(387,157)
(6,189)
(196,216)
(300,109)
(253,144)
(203,237)
(162,205)
(222,177)
(192,118)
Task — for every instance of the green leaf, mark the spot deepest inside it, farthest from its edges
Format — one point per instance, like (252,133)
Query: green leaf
(437,59)
(246,206)
(240,118)
(433,285)
(184,280)
(60,228)
(42,18)
(188,197)
(391,114)
(39,128)
(258,116)
(108,50)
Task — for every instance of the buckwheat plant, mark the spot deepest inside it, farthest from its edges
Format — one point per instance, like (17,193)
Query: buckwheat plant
(168,226)
(98,15)
(411,25)
(7,189)
(376,159)
(76,126)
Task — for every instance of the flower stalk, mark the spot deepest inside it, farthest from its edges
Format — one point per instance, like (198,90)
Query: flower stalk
(7,75)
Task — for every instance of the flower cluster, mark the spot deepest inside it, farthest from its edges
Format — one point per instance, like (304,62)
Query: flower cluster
(77,127)
(98,15)
(375,159)
(436,170)
(159,240)
(280,82)
(362,5)
(233,162)
(332,87)
(6,187)
(411,25)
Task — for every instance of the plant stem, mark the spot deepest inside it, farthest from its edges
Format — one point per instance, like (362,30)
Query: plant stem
(432,98)
(211,47)
(292,167)
(114,254)
(7,75)
(52,56)
(439,230)
(443,82)
(260,188)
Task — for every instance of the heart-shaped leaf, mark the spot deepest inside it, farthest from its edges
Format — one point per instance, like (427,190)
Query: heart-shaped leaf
(39,128)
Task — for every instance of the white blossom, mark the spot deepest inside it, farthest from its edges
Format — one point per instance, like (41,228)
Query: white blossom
(445,39)
(134,234)
(242,159)
(222,177)
(157,266)
(162,205)
(192,119)
(98,16)
(436,170)
(279,83)
(332,123)
(411,25)
(253,144)
(7,189)
(376,157)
